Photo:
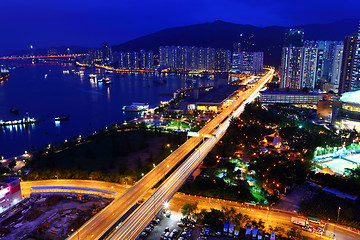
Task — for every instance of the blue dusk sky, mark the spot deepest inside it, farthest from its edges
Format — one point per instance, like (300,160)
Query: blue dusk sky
(46,23)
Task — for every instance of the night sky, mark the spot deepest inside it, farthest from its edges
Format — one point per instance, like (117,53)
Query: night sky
(45,23)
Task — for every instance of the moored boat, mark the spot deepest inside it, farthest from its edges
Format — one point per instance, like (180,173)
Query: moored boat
(25,120)
(62,118)
(136,107)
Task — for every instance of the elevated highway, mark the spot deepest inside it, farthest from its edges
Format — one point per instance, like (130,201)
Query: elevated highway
(97,226)
(140,218)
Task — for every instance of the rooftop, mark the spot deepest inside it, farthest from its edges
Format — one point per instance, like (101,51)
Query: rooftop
(217,95)
(9,180)
(352,97)
(290,92)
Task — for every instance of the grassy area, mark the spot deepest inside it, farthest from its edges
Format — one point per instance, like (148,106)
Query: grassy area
(177,124)
(113,152)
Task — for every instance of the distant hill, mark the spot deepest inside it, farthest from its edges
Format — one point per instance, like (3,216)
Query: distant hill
(220,34)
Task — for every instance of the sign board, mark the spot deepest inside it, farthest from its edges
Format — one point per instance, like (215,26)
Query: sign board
(193,134)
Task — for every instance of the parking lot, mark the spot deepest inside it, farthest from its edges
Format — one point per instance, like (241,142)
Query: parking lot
(168,226)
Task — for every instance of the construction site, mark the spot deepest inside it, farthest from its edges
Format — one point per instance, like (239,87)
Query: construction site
(49,215)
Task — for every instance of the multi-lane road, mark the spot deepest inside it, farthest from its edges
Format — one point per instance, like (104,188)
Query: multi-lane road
(271,218)
(133,225)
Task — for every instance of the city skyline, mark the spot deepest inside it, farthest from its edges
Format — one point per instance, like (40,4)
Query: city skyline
(45,24)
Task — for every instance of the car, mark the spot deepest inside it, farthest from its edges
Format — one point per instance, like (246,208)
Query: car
(164,236)
(310,229)
(167,229)
(180,224)
(185,234)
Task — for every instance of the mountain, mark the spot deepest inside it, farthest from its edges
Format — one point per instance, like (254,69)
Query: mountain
(220,34)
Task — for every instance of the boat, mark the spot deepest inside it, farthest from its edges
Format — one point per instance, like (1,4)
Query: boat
(14,110)
(92,76)
(136,107)
(66,71)
(108,82)
(62,118)
(104,79)
(25,120)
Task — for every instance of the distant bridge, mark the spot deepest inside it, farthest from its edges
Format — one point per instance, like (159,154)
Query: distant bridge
(37,57)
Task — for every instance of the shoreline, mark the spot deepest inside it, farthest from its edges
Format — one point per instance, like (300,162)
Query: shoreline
(35,144)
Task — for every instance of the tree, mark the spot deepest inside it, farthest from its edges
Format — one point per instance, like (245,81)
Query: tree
(4,170)
(12,164)
(230,213)
(213,218)
(294,233)
(188,210)
(238,219)
(261,223)
(246,219)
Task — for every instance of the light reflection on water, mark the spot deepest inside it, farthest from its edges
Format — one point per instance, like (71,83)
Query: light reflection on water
(90,104)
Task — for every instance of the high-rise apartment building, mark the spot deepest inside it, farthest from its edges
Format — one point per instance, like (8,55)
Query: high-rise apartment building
(310,66)
(222,60)
(146,59)
(356,70)
(189,58)
(251,62)
(105,53)
(236,62)
(336,68)
(291,67)
(347,66)
(129,60)
(248,62)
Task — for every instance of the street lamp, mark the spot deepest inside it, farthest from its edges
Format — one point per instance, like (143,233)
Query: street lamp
(338,214)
